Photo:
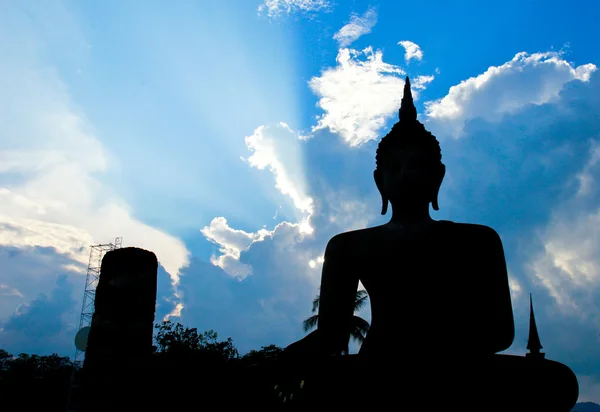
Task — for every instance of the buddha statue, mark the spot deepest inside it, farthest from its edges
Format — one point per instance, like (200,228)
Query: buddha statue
(440,300)
(414,268)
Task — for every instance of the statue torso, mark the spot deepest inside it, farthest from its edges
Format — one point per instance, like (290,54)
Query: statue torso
(429,289)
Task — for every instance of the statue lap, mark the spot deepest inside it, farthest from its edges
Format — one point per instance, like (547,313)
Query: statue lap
(493,383)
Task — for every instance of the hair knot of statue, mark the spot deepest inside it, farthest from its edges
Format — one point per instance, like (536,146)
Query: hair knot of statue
(409,135)
(408,111)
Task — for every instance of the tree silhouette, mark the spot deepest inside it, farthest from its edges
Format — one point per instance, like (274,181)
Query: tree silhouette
(5,357)
(34,382)
(359,326)
(266,354)
(176,340)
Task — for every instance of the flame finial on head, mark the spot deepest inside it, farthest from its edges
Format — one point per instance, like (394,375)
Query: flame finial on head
(533,342)
(408,111)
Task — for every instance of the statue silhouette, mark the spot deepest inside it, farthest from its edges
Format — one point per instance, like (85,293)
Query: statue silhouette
(440,304)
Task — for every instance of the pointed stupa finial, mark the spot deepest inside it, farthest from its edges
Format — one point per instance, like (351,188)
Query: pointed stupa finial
(408,111)
(533,342)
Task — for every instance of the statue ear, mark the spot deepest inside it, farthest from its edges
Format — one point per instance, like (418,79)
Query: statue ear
(434,201)
(379,182)
(384,204)
(436,187)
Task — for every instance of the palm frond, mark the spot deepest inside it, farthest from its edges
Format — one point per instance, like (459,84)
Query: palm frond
(315,304)
(310,323)
(359,329)
(360,300)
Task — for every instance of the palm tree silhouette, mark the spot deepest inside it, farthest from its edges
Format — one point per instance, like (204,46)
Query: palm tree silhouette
(359,327)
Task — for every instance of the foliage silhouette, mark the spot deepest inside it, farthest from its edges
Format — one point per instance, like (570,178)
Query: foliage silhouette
(4,358)
(266,354)
(33,382)
(359,326)
(175,340)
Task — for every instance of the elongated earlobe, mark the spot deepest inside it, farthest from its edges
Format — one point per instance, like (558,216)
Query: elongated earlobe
(434,203)
(379,182)
(384,205)
(434,197)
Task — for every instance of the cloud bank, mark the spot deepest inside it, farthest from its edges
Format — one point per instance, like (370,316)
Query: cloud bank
(526,79)
(532,175)
(52,165)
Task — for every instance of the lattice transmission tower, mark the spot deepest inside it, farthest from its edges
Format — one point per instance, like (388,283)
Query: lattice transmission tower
(97,252)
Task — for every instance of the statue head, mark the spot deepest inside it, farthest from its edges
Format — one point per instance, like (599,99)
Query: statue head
(409,160)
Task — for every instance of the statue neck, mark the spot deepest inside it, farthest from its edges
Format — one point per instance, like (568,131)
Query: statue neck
(410,214)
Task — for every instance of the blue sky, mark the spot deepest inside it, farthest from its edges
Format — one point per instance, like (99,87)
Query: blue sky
(235,138)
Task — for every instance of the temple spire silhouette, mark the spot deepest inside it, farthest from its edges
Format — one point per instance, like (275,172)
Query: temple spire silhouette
(533,342)
(408,111)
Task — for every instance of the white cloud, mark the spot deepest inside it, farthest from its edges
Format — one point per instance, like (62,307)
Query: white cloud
(421,82)
(316,263)
(51,163)
(412,50)
(6,290)
(276,8)
(349,214)
(232,242)
(586,179)
(570,264)
(277,295)
(278,149)
(175,313)
(358,96)
(515,288)
(358,26)
(526,79)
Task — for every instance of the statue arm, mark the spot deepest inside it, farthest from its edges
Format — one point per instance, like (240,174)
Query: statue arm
(336,307)
(504,333)
(339,284)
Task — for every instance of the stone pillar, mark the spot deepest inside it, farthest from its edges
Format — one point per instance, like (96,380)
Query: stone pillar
(119,350)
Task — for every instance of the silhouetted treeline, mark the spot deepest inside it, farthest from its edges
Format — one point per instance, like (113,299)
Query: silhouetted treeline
(189,370)
(197,366)
(32,382)
(209,369)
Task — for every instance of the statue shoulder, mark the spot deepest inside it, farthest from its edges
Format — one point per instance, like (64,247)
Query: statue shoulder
(339,244)
(479,233)
(347,242)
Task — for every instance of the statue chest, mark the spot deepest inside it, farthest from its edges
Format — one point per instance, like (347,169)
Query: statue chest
(443,297)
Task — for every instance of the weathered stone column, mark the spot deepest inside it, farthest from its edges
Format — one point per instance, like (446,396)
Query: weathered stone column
(119,349)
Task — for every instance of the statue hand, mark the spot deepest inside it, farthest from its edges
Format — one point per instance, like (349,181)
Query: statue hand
(289,391)
(294,363)
(296,366)
(308,346)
